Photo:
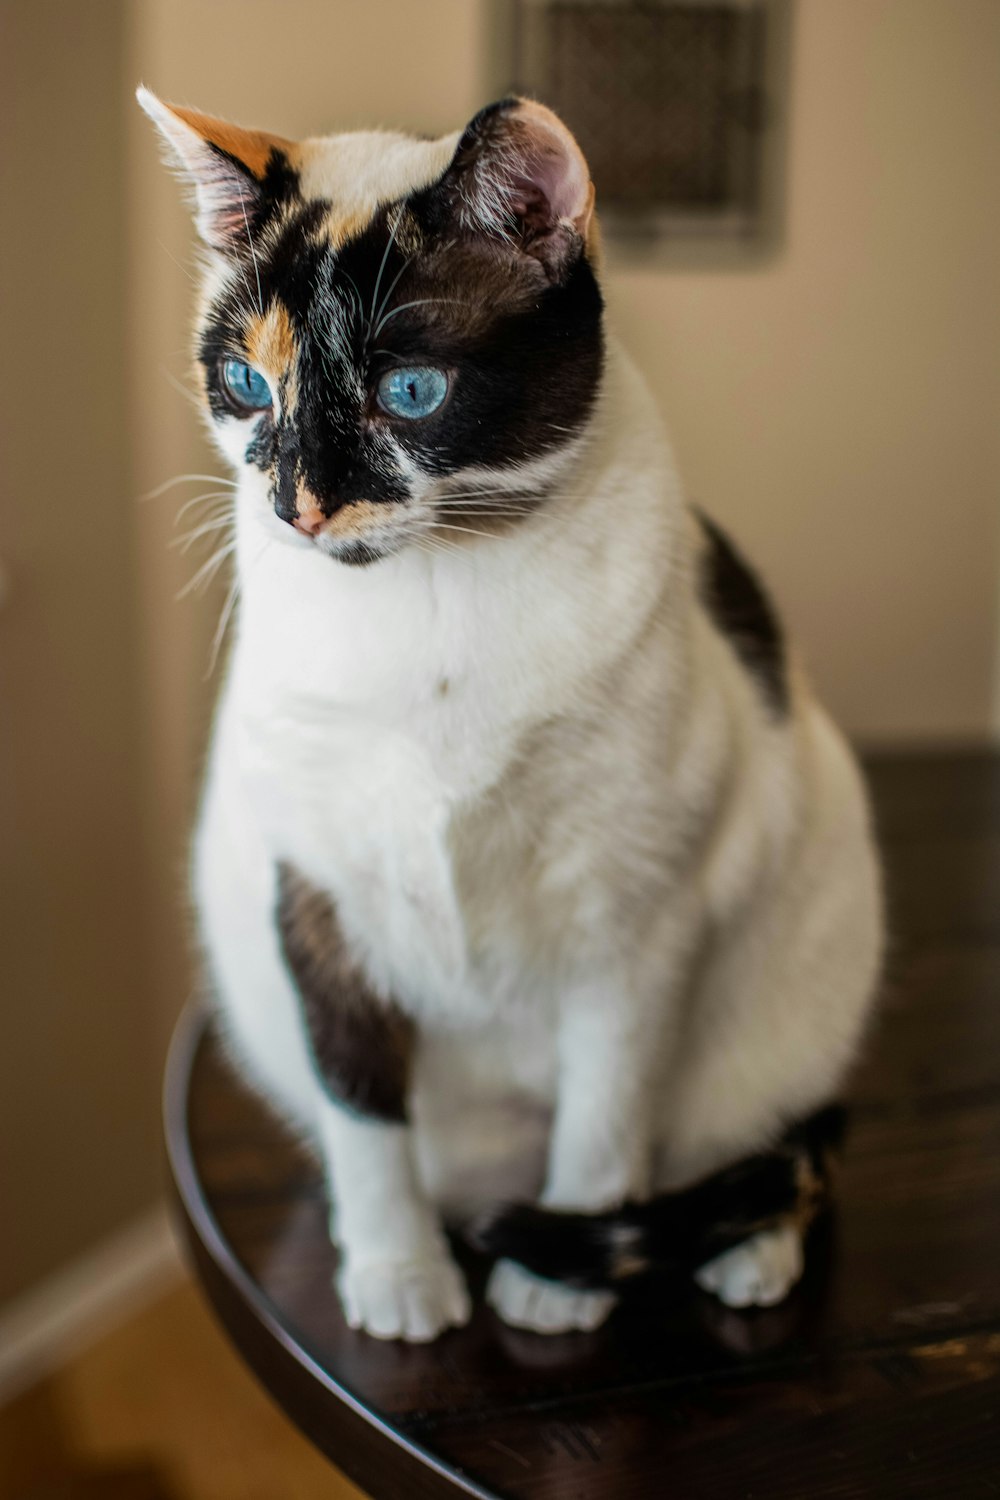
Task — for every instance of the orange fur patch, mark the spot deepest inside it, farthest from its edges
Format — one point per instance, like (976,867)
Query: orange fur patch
(353,521)
(270,342)
(356,517)
(252,147)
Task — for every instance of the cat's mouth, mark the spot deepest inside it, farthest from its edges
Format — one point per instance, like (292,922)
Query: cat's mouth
(358,533)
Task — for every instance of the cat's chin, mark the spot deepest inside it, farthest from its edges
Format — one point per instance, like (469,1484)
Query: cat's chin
(353,552)
(367,546)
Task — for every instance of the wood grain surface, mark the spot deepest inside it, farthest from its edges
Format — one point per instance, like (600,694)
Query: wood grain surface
(880,1377)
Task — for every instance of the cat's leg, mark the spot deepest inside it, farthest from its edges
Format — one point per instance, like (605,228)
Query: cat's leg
(397,1278)
(599,1150)
(777,1021)
(234,887)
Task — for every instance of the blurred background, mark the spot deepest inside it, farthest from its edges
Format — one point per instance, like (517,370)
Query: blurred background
(827,355)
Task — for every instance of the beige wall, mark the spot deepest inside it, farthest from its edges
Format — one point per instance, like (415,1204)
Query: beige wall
(839,405)
(78,1076)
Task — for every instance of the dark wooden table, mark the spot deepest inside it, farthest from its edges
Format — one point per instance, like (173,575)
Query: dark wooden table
(879,1378)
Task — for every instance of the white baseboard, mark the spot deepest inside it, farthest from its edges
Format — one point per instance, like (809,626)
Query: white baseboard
(74,1307)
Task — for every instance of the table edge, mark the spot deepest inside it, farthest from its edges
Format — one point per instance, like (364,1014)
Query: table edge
(206,1243)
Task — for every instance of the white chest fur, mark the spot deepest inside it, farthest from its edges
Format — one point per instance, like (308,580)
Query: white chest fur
(369,705)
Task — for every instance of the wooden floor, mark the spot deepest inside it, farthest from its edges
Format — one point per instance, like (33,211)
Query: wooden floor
(161,1409)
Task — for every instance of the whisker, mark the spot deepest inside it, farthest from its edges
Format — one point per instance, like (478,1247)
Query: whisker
(467,508)
(432,537)
(378,280)
(253,253)
(486,500)
(208,570)
(200,500)
(354,285)
(485,507)
(246,308)
(420,302)
(468,530)
(404,267)
(471,558)
(169,484)
(513,497)
(438,547)
(186,541)
(357,302)
(177,262)
(190,396)
(220,630)
(227,609)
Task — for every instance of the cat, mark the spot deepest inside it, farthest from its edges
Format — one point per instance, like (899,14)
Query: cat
(529,870)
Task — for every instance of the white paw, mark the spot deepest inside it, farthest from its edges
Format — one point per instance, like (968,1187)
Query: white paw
(526,1301)
(413,1300)
(758,1273)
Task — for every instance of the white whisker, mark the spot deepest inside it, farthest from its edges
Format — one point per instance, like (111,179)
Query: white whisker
(208,570)
(179,263)
(190,396)
(502,501)
(462,507)
(378,280)
(169,484)
(253,253)
(476,495)
(201,500)
(467,530)
(420,302)
(395,280)
(186,541)
(220,630)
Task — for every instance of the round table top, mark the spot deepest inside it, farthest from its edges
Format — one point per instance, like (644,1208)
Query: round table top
(879,1377)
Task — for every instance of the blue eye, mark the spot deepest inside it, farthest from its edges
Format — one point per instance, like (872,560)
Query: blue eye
(413,390)
(245,385)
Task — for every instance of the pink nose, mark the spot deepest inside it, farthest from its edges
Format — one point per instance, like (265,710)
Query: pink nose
(309,520)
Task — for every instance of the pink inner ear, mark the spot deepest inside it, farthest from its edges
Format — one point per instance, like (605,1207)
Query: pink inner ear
(555,170)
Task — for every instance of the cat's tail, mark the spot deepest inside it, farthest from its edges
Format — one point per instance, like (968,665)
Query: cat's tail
(675,1232)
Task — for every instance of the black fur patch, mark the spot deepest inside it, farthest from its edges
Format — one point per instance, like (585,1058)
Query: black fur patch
(675,1232)
(279,182)
(360,1044)
(740,607)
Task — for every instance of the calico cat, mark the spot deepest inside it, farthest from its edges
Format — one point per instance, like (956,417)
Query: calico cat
(528,868)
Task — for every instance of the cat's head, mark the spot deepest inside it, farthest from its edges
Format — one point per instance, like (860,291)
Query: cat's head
(396,334)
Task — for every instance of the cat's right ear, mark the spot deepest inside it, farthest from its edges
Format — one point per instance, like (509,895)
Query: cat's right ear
(519,178)
(230,169)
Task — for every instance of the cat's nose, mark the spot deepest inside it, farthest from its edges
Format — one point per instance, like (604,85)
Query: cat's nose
(308,519)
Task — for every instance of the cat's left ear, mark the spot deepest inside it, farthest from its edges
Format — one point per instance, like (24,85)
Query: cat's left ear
(519,176)
(230,169)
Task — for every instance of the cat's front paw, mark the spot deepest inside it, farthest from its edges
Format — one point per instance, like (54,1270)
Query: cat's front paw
(758,1273)
(413,1300)
(526,1301)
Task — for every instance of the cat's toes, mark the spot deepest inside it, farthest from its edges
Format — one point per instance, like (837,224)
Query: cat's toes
(526,1301)
(758,1273)
(411,1300)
